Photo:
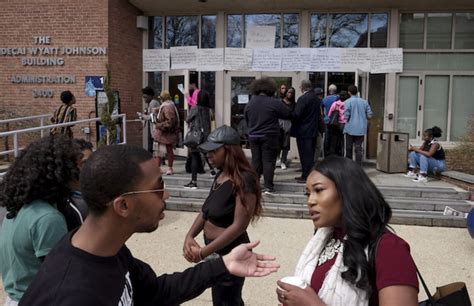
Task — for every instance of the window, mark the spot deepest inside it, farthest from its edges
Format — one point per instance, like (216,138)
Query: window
(464,31)
(286,36)
(378,30)
(208,31)
(348,30)
(182,31)
(439,31)
(156,35)
(462,109)
(318,30)
(411,31)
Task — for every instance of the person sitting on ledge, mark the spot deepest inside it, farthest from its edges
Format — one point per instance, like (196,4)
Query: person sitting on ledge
(429,156)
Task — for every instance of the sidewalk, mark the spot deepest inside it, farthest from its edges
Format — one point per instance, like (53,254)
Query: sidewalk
(443,255)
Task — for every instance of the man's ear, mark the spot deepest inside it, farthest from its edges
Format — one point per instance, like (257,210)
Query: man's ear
(121,207)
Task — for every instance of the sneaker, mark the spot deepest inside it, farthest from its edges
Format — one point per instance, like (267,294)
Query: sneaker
(213,173)
(268,191)
(278,163)
(169,171)
(410,174)
(283,166)
(191,185)
(421,179)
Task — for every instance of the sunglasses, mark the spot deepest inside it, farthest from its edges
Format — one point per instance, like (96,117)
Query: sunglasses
(160,191)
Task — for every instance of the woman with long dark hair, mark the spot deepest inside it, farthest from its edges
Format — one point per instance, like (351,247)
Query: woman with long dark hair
(354,258)
(36,184)
(233,202)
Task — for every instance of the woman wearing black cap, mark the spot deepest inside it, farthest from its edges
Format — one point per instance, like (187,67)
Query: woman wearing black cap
(234,201)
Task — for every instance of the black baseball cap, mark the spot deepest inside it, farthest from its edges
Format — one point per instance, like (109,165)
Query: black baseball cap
(219,137)
(319,91)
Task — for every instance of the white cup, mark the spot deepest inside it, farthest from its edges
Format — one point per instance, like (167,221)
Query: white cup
(295,281)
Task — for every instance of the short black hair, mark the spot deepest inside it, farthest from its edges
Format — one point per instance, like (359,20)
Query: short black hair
(43,171)
(343,95)
(352,89)
(83,144)
(109,172)
(263,85)
(435,132)
(66,96)
(148,91)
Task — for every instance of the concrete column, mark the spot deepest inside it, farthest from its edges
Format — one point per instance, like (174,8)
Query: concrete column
(391,85)
(220,43)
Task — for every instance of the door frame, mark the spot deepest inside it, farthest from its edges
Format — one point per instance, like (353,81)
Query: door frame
(421,96)
(257,74)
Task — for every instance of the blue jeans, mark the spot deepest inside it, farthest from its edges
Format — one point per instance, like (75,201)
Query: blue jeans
(426,163)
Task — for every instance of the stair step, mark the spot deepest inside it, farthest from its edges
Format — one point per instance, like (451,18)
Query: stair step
(178,181)
(399,216)
(414,203)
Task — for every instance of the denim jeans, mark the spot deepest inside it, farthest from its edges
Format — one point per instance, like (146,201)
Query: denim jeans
(356,142)
(426,163)
(264,154)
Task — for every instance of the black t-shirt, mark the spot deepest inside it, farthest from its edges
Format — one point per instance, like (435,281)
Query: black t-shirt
(72,277)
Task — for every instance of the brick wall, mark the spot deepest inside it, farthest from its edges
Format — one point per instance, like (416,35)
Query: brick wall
(70,23)
(125,59)
(460,160)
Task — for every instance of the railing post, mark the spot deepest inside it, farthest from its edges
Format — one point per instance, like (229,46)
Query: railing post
(124,128)
(7,145)
(15,145)
(41,124)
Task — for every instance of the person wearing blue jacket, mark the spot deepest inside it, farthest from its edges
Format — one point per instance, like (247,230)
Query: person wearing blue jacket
(357,112)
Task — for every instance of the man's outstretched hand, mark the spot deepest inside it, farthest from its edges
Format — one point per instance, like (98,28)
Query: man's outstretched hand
(241,261)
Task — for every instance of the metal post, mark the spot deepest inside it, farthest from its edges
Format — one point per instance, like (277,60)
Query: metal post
(15,145)
(124,129)
(41,124)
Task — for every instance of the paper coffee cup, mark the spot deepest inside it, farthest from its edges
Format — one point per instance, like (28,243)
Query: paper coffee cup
(295,281)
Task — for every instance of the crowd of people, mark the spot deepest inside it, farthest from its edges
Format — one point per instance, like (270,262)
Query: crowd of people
(70,210)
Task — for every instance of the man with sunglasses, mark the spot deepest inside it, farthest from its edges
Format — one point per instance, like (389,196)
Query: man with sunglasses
(124,190)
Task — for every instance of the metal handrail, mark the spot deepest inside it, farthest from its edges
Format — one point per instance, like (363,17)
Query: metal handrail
(41,117)
(15,133)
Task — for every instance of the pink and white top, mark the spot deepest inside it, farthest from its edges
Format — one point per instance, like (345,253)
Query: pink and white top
(339,105)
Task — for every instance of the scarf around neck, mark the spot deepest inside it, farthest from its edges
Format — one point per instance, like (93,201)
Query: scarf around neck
(335,291)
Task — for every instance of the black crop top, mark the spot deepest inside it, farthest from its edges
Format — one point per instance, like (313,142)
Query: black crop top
(219,207)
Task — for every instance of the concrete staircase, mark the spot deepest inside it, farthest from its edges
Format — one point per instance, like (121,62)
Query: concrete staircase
(413,205)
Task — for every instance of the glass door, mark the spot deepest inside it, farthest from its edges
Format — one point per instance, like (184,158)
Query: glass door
(237,95)
(172,81)
(409,105)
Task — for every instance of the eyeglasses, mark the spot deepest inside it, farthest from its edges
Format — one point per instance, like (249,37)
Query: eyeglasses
(145,191)
(162,190)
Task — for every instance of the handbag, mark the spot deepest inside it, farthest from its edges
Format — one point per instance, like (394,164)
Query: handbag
(334,120)
(193,138)
(454,294)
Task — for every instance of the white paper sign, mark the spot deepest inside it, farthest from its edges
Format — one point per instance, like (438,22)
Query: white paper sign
(326,59)
(266,59)
(210,59)
(243,99)
(260,37)
(353,59)
(238,59)
(295,59)
(386,60)
(181,88)
(183,57)
(156,59)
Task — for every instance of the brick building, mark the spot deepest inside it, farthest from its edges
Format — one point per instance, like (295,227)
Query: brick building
(436,86)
